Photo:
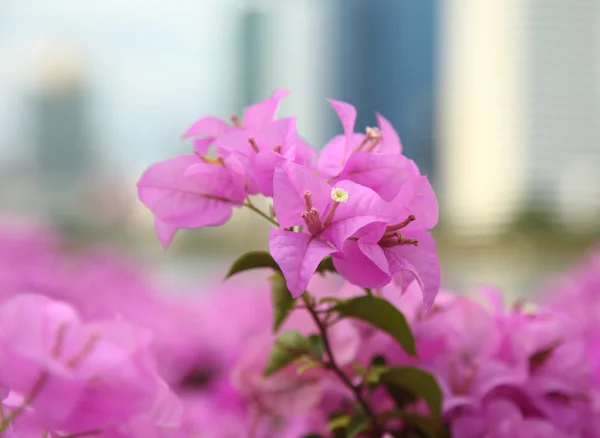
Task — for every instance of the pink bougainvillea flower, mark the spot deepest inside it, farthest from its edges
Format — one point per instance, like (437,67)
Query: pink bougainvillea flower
(256,117)
(404,249)
(502,418)
(281,393)
(78,376)
(329,214)
(373,159)
(187,192)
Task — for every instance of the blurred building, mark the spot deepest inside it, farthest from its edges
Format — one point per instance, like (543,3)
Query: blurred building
(519,104)
(62,149)
(563,109)
(387,63)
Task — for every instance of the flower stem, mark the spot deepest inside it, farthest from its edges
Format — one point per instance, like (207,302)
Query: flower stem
(332,364)
(252,207)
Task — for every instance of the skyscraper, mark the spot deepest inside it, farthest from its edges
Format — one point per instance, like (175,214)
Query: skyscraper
(563,108)
(387,62)
(62,149)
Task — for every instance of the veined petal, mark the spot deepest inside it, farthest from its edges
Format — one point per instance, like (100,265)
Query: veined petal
(362,201)
(290,182)
(260,114)
(298,255)
(384,173)
(264,170)
(390,143)
(207,127)
(416,196)
(363,264)
(204,198)
(337,232)
(347,115)
(334,155)
(420,261)
(201,145)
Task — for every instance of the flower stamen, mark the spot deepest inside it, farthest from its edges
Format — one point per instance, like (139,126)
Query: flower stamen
(338,196)
(208,160)
(308,200)
(235,120)
(396,239)
(253,144)
(313,222)
(402,224)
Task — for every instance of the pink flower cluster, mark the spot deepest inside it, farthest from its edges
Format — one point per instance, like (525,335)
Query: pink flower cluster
(504,372)
(88,348)
(359,200)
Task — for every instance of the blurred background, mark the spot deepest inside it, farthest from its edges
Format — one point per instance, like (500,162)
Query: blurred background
(498,102)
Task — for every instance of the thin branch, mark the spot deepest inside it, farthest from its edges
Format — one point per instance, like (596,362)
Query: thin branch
(252,207)
(332,364)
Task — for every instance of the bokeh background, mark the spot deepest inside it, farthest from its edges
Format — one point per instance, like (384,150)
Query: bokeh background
(497,101)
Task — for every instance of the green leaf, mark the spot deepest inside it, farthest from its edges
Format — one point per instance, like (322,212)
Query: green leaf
(252,260)
(332,300)
(316,344)
(326,265)
(357,424)
(415,382)
(375,373)
(338,422)
(430,427)
(288,346)
(305,363)
(381,314)
(283,302)
(379,360)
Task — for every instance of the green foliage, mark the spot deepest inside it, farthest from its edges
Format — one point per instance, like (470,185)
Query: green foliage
(289,346)
(283,302)
(382,314)
(326,265)
(316,345)
(252,260)
(412,381)
(357,424)
(429,426)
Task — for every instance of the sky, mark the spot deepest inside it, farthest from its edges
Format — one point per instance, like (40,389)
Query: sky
(148,65)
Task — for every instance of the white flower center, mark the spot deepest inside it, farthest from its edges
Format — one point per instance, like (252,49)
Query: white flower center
(339,195)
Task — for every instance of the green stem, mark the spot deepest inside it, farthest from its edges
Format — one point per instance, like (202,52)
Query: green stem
(332,364)
(252,207)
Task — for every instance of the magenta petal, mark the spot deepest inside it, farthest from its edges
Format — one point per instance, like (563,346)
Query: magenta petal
(264,170)
(420,261)
(417,197)
(390,143)
(298,255)
(305,154)
(281,132)
(207,127)
(363,264)
(362,201)
(260,114)
(201,145)
(290,182)
(346,113)
(339,231)
(333,157)
(165,232)
(237,140)
(384,173)
(188,193)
